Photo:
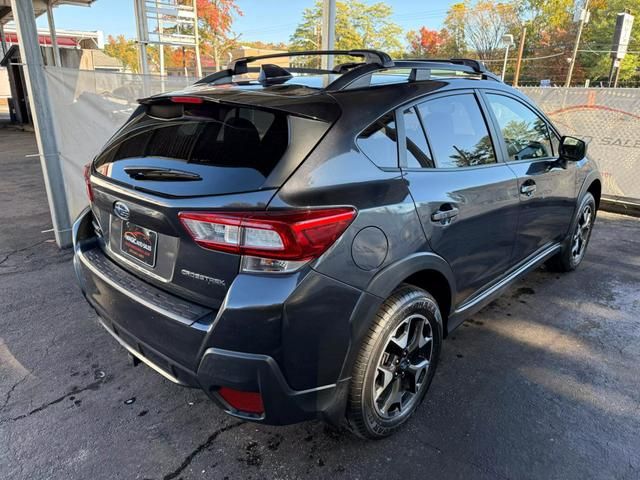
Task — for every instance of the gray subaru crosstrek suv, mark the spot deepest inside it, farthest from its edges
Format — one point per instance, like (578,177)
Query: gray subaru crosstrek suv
(297,243)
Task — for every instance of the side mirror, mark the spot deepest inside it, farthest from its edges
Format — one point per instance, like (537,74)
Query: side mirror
(572,149)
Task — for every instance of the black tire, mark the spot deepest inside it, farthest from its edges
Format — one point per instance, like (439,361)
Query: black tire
(567,260)
(416,310)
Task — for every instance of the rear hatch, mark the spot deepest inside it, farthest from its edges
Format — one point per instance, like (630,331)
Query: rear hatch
(195,153)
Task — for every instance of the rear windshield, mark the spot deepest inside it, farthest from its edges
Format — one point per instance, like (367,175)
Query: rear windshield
(220,136)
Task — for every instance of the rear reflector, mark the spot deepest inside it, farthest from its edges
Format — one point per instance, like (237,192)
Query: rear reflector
(292,235)
(249,402)
(87,181)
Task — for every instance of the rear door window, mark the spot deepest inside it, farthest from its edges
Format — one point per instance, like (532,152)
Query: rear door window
(457,131)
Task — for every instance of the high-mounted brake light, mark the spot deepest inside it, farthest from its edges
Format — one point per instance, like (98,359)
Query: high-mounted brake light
(196,100)
(87,181)
(276,241)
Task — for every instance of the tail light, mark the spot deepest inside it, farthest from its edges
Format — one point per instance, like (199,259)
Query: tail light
(269,241)
(87,181)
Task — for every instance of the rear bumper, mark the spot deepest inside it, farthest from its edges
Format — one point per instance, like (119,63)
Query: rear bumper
(178,339)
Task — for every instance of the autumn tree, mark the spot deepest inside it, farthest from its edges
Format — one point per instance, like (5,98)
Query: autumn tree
(215,19)
(479,28)
(358,25)
(551,35)
(264,45)
(124,50)
(425,42)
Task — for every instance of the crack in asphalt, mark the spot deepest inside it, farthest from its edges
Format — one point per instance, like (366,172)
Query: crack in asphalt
(74,391)
(8,255)
(11,390)
(199,449)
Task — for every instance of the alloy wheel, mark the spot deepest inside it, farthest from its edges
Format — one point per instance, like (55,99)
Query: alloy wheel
(581,234)
(403,367)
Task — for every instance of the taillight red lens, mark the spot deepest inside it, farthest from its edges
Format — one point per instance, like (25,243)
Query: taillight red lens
(87,181)
(250,402)
(283,235)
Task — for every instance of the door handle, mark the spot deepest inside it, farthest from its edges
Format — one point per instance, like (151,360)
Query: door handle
(445,214)
(528,188)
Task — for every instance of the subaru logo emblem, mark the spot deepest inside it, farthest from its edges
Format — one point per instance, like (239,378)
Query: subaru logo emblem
(121,210)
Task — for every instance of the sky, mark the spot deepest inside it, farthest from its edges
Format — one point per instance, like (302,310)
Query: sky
(266,20)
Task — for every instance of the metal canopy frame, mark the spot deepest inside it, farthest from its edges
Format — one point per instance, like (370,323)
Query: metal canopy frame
(356,75)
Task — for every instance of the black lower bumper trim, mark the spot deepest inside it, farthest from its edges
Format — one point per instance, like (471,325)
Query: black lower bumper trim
(260,373)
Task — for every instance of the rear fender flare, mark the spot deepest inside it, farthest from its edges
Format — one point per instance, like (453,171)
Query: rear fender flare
(387,280)
(380,287)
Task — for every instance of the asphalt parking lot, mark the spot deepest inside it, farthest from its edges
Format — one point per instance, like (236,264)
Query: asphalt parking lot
(542,384)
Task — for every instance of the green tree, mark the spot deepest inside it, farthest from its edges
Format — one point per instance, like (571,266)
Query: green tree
(598,39)
(358,25)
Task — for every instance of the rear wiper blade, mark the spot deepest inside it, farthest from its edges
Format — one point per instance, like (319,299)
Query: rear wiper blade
(157,173)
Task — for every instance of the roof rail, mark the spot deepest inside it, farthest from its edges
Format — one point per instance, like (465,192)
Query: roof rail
(240,65)
(465,65)
(420,71)
(357,75)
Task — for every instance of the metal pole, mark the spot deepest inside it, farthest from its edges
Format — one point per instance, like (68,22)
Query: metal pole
(3,40)
(142,36)
(53,34)
(328,32)
(43,122)
(161,46)
(197,40)
(615,81)
(504,64)
(523,35)
(583,17)
(611,71)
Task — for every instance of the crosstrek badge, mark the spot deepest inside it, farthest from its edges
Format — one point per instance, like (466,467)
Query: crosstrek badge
(139,243)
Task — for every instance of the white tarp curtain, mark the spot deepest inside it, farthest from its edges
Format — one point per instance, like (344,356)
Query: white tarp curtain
(90,106)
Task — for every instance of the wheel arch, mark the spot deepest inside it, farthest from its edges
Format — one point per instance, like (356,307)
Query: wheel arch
(592,184)
(595,189)
(425,270)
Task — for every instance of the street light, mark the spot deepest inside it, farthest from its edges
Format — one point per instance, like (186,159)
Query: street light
(507,41)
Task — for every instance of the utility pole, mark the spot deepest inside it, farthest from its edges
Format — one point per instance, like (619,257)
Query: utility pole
(42,116)
(523,35)
(583,17)
(328,32)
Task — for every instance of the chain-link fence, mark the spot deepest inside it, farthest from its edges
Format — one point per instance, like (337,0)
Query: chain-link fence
(609,120)
(91,105)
